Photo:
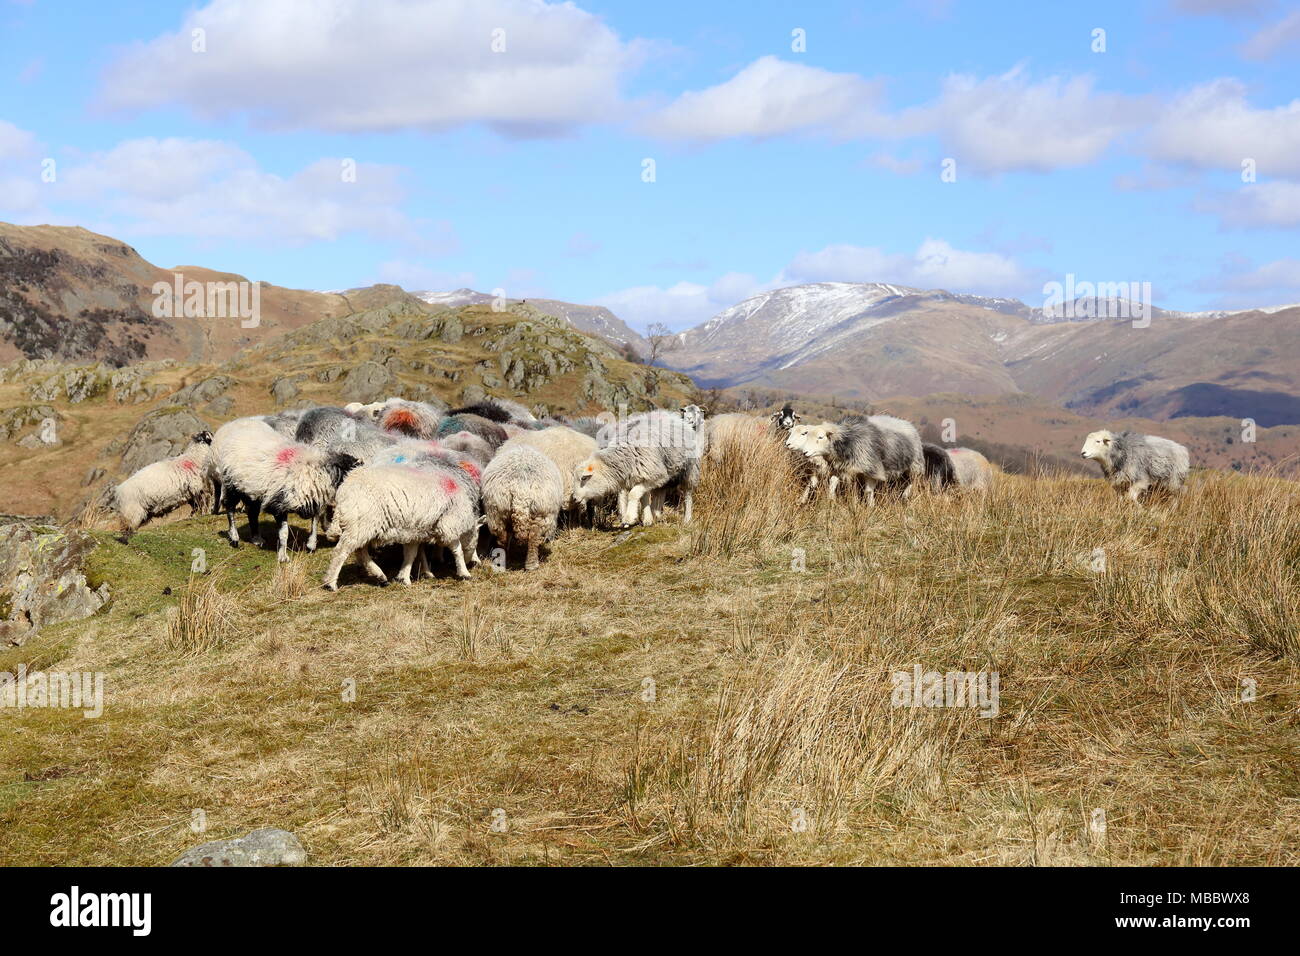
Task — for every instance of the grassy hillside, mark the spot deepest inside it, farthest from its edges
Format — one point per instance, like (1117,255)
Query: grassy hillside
(402,348)
(1120,690)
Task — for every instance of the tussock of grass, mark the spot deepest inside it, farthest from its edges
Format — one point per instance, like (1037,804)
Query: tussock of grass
(203,619)
(747,500)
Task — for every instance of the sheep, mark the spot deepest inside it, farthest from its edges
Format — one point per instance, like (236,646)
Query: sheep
(785,419)
(940,472)
(1138,463)
(724,430)
(586,425)
(650,453)
(879,449)
(499,410)
(974,471)
(490,431)
(564,446)
(693,415)
(283,423)
(415,419)
(336,429)
(165,485)
(265,470)
(403,504)
(523,492)
(470,444)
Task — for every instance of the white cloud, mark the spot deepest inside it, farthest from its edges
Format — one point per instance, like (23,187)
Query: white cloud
(213,189)
(1007,122)
(1274,205)
(683,305)
(1212,126)
(935,264)
(418,277)
(769,97)
(363,65)
(1274,38)
(20,176)
(15,143)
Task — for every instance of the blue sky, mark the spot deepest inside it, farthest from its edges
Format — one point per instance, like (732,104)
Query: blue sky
(522,167)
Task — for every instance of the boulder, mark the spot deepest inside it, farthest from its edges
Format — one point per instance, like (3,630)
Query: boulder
(42,579)
(368,382)
(268,847)
(161,434)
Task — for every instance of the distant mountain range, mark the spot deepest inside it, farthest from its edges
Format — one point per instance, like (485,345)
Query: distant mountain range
(870,341)
(592,319)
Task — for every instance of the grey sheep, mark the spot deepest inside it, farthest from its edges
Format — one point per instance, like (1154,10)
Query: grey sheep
(879,449)
(1136,464)
(522,496)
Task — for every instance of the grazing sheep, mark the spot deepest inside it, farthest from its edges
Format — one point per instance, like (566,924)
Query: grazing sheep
(490,431)
(940,472)
(265,470)
(523,492)
(566,447)
(335,429)
(470,444)
(649,454)
(722,431)
(879,449)
(586,425)
(165,485)
(1138,463)
(407,505)
(974,471)
(414,419)
(499,410)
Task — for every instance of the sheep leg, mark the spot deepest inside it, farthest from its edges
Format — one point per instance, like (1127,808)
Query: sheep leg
(254,531)
(282,537)
(533,561)
(631,503)
(374,570)
(409,550)
(232,533)
(422,567)
(458,555)
(687,505)
(1135,491)
(311,538)
(659,497)
(870,488)
(832,485)
(469,546)
(808,490)
(342,552)
(622,506)
(648,508)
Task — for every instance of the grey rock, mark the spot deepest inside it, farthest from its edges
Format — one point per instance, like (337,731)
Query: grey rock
(284,390)
(268,847)
(42,580)
(368,382)
(161,434)
(203,391)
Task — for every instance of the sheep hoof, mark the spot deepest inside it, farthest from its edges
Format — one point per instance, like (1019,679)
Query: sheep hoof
(330,587)
(234,542)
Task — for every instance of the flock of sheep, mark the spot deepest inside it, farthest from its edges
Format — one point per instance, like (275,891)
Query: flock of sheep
(421,474)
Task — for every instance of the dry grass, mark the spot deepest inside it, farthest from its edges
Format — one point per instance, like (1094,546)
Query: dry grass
(290,581)
(1162,692)
(203,619)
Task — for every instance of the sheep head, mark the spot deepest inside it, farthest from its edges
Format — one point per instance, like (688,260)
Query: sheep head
(595,480)
(1097,446)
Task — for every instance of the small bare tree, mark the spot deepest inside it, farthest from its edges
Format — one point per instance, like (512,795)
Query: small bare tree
(661,340)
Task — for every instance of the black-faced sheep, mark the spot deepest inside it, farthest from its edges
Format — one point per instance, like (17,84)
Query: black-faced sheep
(265,470)
(165,485)
(1136,464)
(522,496)
(879,449)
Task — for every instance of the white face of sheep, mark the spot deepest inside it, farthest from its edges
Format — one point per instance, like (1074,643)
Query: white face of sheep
(693,415)
(812,440)
(594,481)
(1096,447)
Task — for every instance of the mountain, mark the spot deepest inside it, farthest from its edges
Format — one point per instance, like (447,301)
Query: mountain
(592,319)
(874,340)
(70,294)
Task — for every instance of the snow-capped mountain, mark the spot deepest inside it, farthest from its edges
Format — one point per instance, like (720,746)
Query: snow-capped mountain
(592,319)
(874,340)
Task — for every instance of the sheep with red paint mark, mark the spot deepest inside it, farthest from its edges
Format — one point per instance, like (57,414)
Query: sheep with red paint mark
(165,485)
(265,470)
(411,502)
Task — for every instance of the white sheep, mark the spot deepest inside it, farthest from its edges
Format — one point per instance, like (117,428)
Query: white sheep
(265,470)
(406,504)
(523,492)
(1136,464)
(564,446)
(165,485)
(645,456)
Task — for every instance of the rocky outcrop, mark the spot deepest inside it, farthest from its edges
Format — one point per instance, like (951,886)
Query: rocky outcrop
(160,434)
(42,580)
(268,847)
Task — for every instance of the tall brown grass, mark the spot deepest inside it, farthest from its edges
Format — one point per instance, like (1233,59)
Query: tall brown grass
(747,498)
(203,619)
